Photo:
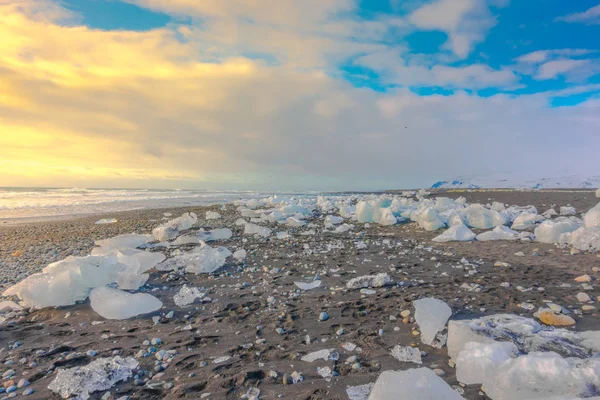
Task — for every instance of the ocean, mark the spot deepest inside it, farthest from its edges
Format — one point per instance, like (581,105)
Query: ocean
(33,203)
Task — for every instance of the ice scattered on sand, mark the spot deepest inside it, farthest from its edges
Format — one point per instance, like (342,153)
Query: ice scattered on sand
(202,260)
(212,215)
(253,229)
(360,392)
(431,315)
(478,362)
(308,286)
(117,304)
(526,333)
(498,233)
(456,233)
(413,384)
(187,295)
(317,355)
(127,241)
(100,374)
(407,354)
(240,255)
(106,221)
(65,282)
(215,234)
(568,210)
(370,281)
(171,229)
(526,220)
(550,230)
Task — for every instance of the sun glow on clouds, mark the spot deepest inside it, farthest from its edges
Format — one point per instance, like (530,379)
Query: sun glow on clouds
(247,94)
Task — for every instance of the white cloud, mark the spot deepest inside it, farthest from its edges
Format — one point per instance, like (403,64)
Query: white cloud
(395,69)
(466,22)
(588,17)
(567,63)
(543,55)
(552,69)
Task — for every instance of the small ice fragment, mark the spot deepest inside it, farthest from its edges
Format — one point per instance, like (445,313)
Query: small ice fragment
(253,229)
(407,354)
(100,374)
(240,255)
(360,392)
(212,215)
(431,315)
(308,286)
(187,295)
(106,221)
(456,233)
(317,355)
(370,281)
(117,304)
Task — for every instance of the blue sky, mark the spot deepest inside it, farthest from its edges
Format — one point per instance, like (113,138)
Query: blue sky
(296,94)
(516,28)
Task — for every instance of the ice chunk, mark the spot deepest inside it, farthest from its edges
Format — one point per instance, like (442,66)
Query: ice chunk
(131,281)
(317,355)
(526,333)
(185,239)
(66,282)
(253,229)
(187,295)
(347,211)
(117,304)
(360,392)
(171,229)
(498,233)
(240,255)
(100,374)
(456,233)
(215,234)
(431,315)
(212,215)
(370,281)
(8,305)
(550,230)
(407,354)
(568,211)
(591,219)
(539,375)
(549,213)
(128,241)
(294,222)
(364,212)
(343,228)
(480,217)
(282,235)
(106,221)
(587,239)
(598,193)
(308,286)
(138,261)
(333,220)
(387,217)
(526,220)
(413,384)
(428,219)
(203,260)
(478,362)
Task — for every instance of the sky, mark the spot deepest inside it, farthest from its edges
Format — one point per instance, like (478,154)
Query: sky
(296,94)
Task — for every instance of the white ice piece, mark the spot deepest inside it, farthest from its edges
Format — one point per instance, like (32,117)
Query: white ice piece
(591,219)
(498,233)
(294,222)
(187,295)
(253,229)
(413,384)
(100,374)
(370,281)
(480,217)
(587,239)
(215,234)
(550,230)
(212,215)
(240,255)
(598,193)
(478,362)
(65,282)
(127,241)
(171,229)
(308,286)
(317,355)
(456,233)
(333,220)
(526,220)
(106,221)
(428,219)
(568,210)
(118,304)
(407,354)
(360,392)
(431,315)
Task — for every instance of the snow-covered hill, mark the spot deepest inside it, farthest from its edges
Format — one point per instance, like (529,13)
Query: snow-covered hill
(519,182)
